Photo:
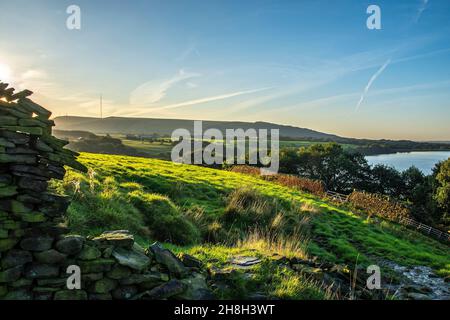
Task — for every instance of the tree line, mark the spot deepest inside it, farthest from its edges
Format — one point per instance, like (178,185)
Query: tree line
(428,196)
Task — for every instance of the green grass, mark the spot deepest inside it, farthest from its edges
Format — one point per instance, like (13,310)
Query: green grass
(214,211)
(268,277)
(305,143)
(157,150)
(162,149)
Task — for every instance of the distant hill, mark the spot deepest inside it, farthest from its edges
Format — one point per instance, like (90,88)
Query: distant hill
(147,126)
(165,127)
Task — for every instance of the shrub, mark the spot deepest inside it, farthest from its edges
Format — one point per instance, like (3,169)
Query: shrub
(246,170)
(315,187)
(379,205)
(164,219)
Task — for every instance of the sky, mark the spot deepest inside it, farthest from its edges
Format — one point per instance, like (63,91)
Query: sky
(312,64)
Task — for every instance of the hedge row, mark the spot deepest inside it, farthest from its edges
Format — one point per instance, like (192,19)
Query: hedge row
(308,185)
(379,205)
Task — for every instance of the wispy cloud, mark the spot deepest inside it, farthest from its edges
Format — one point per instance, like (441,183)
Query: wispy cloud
(341,100)
(214,98)
(423,6)
(311,73)
(191,50)
(371,81)
(34,74)
(57,97)
(152,92)
(203,100)
(191,85)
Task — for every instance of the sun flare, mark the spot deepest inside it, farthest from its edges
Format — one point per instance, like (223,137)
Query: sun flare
(5,72)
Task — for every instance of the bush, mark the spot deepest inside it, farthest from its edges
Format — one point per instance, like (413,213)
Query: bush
(164,219)
(379,205)
(316,187)
(246,170)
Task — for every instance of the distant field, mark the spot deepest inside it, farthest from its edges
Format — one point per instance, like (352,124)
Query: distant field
(161,150)
(301,143)
(158,150)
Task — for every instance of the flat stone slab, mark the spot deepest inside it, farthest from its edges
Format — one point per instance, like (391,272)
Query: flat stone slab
(245,262)
(119,238)
(131,258)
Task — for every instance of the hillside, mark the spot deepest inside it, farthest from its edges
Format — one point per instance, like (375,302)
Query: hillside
(146,126)
(301,245)
(288,134)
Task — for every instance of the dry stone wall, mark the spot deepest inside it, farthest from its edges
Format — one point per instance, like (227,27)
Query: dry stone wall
(39,258)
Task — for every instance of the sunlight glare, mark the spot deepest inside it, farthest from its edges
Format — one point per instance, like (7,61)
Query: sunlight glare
(5,72)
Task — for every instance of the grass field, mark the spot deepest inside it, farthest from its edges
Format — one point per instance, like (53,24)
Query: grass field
(157,150)
(302,143)
(162,149)
(216,214)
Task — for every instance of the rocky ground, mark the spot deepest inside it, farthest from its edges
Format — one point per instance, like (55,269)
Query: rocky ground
(112,266)
(417,283)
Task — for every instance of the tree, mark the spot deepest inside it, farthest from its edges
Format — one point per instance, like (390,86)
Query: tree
(427,196)
(386,180)
(339,170)
(416,185)
(289,161)
(442,191)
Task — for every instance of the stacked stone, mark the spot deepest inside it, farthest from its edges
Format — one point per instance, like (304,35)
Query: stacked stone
(29,158)
(35,250)
(112,266)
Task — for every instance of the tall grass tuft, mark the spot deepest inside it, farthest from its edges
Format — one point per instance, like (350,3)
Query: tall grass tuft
(272,242)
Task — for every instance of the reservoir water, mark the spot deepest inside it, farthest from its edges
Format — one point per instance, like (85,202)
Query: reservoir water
(425,161)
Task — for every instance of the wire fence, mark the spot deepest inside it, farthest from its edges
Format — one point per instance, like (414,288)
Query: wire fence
(337,196)
(426,229)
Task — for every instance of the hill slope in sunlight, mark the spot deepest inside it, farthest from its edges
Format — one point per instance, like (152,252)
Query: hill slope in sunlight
(208,211)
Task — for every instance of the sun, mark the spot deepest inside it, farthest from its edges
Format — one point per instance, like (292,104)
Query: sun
(5,72)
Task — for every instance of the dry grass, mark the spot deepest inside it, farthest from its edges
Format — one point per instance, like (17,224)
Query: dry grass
(309,207)
(247,199)
(274,243)
(315,187)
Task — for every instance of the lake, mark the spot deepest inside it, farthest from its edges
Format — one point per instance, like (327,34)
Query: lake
(425,160)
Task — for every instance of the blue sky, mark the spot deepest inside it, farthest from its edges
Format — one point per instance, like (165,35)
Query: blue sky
(306,63)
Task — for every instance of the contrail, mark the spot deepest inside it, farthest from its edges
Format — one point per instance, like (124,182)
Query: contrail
(421,9)
(372,79)
(210,99)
